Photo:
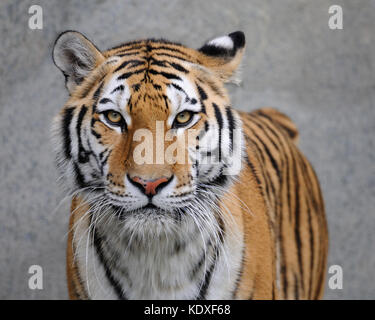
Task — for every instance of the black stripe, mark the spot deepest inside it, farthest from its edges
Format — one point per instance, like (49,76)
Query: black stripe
(136,87)
(220,180)
(106,158)
(207,277)
(160,63)
(67,119)
(101,154)
(133,45)
(267,180)
(177,87)
(164,74)
(203,132)
(291,133)
(97,92)
(206,126)
(134,63)
(94,175)
(203,109)
(252,168)
(115,284)
(80,180)
(156,86)
(119,88)
(171,56)
(307,181)
(231,125)
(166,101)
(297,222)
(169,49)
(202,93)
(83,155)
(105,100)
(269,154)
(178,67)
(96,134)
(285,278)
(259,122)
(198,266)
(202,97)
(127,54)
(130,106)
(165,63)
(129,74)
(220,123)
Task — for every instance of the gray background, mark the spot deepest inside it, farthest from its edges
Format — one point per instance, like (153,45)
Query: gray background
(323,79)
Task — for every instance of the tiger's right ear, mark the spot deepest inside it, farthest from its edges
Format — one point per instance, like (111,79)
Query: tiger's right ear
(223,55)
(76,57)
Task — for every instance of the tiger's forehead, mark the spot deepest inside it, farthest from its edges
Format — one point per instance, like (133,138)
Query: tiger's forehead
(154,48)
(149,80)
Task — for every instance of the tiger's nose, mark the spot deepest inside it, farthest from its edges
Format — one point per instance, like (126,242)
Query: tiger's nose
(150,187)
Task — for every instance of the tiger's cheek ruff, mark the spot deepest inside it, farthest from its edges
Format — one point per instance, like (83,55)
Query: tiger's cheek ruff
(218,149)
(221,150)
(78,165)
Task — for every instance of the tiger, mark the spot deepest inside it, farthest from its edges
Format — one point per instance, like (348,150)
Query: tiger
(174,193)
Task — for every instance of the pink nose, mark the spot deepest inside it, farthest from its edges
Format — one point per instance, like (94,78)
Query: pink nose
(150,186)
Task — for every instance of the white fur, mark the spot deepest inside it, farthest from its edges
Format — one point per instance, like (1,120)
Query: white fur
(154,270)
(224,42)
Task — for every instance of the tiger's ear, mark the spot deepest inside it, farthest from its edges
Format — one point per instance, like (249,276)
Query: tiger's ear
(76,57)
(223,55)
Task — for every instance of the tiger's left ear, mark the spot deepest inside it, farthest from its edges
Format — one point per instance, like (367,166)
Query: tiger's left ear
(76,56)
(223,55)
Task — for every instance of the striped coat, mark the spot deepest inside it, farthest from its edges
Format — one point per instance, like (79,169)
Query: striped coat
(176,195)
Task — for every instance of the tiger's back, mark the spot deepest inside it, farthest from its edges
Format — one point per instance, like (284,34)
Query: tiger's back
(294,202)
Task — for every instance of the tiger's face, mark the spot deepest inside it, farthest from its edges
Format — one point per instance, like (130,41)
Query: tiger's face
(148,128)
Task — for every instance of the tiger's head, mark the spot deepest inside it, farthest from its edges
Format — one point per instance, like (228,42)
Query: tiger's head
(148,129)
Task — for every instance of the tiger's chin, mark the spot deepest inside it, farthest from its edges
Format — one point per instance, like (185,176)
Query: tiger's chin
(148,222)
(146,226)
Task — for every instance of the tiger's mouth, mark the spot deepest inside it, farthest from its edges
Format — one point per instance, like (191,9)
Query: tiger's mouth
(161,202)
(149,212)
(150,206)
(122,209)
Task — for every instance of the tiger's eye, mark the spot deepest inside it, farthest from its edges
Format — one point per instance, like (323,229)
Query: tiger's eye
(114,116)
(183,117)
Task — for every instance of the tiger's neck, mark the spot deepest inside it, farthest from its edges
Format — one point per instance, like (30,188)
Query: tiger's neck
(184,264)
(165,267)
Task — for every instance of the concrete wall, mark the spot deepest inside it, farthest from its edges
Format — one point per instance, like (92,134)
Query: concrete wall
(323,79)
